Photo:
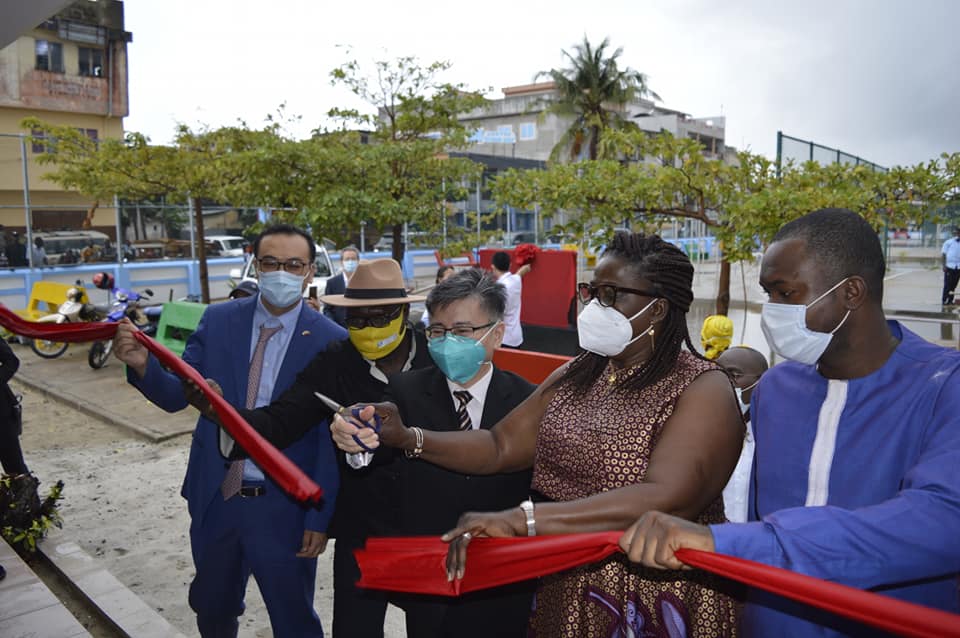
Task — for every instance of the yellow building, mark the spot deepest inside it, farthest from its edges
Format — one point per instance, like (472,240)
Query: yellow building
(70,70)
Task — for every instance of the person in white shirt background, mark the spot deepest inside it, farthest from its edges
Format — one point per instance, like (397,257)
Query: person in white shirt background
(745,367)
(500,265)
(951,266)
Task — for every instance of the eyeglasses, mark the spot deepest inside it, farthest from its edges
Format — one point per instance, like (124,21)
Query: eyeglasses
(437,331)
(359,322)
(606,294)
(272,264)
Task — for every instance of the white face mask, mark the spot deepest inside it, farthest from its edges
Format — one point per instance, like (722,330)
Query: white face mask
(281,289)
(785,327)
(744,405)
(605,331)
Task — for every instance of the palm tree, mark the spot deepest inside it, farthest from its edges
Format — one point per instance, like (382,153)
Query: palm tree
(594,90)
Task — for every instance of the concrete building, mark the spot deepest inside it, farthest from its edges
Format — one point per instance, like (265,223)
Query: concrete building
(69,70)
(516,126)
(516,132)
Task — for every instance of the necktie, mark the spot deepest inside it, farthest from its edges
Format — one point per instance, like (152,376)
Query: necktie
(234,478)
(463,417)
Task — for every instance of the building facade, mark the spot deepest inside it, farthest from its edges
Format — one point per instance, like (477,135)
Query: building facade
(517,125)
(71,70)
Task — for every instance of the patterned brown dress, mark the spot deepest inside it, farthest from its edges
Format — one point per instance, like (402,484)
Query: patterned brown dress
(602,440)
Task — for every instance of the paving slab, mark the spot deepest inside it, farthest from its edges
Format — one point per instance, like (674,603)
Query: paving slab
(104,393)
(28,609)
(127,611)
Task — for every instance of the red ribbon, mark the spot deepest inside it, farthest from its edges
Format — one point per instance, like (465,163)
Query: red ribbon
(416,565)
(274,464)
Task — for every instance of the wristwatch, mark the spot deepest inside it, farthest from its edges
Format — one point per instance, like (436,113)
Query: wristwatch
(527,507)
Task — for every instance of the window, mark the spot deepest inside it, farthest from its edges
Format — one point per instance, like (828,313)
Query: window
(49,56)
(528,131)
(91,62)
(39,143)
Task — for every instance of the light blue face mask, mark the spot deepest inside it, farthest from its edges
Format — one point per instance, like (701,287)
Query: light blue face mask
(280,289)
(349,265)
(459,358)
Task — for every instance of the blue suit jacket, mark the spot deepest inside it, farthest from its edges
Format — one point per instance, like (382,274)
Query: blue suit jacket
(336,286)
(220,349)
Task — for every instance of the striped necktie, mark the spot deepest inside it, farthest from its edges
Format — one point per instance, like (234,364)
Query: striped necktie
(463,417)
(233,481)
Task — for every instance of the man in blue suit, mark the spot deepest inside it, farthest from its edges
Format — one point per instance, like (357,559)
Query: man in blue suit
(242,523)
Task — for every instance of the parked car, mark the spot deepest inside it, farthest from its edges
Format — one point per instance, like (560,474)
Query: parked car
(226,245)
(319,286)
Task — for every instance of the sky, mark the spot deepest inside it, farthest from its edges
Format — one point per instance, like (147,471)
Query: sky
(878,79)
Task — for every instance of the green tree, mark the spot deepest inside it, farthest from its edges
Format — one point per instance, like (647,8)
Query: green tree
(594,91)
(744,203)
(395,169)
(205,164)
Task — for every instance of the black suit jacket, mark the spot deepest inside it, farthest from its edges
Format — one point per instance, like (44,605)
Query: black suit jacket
(433,498)
(9,363)
(336,286)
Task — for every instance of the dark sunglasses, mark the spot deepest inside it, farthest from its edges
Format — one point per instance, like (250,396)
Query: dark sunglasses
(375,321)
(606,294)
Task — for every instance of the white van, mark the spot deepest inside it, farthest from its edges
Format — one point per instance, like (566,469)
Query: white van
(319,286)
(57,242)
(226,245)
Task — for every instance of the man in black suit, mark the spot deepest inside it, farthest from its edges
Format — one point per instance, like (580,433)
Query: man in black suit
(465,391)
(349,260)
(11,456)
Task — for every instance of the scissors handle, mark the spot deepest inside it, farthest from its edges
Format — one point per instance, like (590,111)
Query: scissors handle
(375,426)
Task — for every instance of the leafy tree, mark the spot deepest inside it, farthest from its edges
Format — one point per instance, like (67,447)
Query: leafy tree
(206,164)
(744,203)
(398,170)
(594,91)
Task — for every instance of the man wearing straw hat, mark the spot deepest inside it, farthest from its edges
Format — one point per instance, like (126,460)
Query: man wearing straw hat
(382,342)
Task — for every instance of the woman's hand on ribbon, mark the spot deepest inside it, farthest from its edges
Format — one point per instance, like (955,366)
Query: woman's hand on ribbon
(470,525)
(128,349)
(654,538)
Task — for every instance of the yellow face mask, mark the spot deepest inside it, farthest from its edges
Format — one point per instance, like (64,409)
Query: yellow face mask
(376,343)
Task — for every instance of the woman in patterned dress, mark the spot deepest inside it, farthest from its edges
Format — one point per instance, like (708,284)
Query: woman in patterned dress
(633,424)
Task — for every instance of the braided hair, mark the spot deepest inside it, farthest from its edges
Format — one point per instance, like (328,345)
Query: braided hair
(670,274)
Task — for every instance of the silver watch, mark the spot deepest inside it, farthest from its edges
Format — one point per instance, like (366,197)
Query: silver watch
(527,507)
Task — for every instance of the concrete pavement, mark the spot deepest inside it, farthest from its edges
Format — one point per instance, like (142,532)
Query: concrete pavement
(104,393)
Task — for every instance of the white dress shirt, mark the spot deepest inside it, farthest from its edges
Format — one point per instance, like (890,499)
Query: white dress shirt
(951,248)
(513,335)
(478,395)
(273,357)
(358,460)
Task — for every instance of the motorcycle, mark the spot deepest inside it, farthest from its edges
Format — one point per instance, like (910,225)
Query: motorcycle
(70,311)
(126,304)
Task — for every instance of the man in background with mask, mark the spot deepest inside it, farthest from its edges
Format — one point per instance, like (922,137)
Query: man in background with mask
(857,441)
(349,260)
(745,367)
(242,523)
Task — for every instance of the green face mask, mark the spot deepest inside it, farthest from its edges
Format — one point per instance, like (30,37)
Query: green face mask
(376,343)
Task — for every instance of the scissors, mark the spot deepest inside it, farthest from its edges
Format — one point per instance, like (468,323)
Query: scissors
(342,411)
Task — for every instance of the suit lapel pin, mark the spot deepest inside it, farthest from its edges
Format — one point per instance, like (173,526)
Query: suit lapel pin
(305,333)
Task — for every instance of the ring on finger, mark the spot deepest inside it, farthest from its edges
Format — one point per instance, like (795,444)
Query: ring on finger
(466,536)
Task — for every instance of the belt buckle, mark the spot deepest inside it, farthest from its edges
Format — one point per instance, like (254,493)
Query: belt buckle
(252,491)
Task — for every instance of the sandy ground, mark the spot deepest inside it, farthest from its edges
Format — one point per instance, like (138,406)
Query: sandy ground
(122,504)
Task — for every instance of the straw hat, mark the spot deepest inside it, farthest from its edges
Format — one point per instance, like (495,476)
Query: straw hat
(374,283)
